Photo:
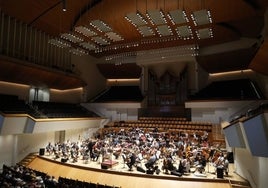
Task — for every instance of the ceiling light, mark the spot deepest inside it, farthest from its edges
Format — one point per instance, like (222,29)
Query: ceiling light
(85,31)
(59,43)
(201,17)
(164,30)
(88,46)
(184,32)
(100,26)
(146,31)
(136,19)
(156,17)
(177,17)
(100,40)
(64,5)
(78,51)
(71,37)
(114,36)
(204,33)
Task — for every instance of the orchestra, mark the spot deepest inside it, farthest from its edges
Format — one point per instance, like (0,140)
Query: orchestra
(175,153)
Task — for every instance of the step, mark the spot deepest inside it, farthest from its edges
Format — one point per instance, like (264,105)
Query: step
(239,186)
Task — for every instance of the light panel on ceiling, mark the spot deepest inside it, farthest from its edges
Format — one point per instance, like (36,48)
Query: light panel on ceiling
(88,46)
(164,30)
(59,43)
(156,17)
(146,31)
(100,40)
(136,19)
(201,17)
(85,31)
(178,17)
(100,26)
(184,32)
(114,36)
(78,51)
(204,33)
(71,37)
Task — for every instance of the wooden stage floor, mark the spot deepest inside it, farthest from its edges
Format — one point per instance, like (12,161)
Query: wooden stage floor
(119,175)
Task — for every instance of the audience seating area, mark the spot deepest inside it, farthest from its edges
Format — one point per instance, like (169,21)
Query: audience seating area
(163,124)
(242,89)
(61,110)
(11,104)
(21,176)
(121,93)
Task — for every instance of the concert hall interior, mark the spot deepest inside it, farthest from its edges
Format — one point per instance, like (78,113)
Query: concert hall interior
(134,93)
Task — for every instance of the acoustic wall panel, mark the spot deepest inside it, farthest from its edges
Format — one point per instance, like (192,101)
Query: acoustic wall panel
(256,134)
(234,135)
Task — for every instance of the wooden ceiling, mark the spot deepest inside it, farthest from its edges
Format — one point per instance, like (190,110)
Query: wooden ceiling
(237,25)
(16,71)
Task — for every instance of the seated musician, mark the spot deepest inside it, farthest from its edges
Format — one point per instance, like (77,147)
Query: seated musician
(168,164)
(131,161)
(95,154)
(222,162)
(117,151)
(184,165)
(49,148)
(226,165)
(219,161)
(74,155)
(201,163)
(151,161)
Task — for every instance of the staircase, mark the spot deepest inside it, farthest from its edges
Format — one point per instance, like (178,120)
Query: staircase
(239,184)
(28,159)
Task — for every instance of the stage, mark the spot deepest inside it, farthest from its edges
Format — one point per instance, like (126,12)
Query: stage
(118,174)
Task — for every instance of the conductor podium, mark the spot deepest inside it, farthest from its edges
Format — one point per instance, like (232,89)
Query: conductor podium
(108,164)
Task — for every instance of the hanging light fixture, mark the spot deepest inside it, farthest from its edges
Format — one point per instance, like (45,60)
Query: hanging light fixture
(64,5)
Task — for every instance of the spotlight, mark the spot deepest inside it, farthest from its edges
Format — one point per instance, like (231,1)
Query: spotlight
(64,5)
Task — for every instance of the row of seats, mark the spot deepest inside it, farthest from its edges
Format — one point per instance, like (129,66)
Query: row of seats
(121,93)
(66,182)
(61,110)
(163,118)
(11,104)
(165,125)
(240,89)
(21,176)
(122,123)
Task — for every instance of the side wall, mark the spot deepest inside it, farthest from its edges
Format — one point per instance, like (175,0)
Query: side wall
(86,67)
(252,168)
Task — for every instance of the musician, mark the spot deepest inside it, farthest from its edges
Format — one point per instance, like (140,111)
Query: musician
(150,163)
(204,137)
(184,165)
(117,151)
(222,162)
(131,161)
(95,153)
(74,155)
(90,147)
(201,163)
(226,165)
(168,164)
(49,148)
(219,161)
